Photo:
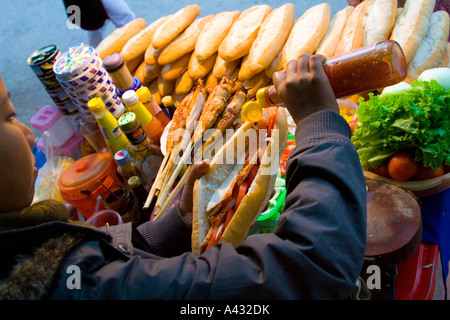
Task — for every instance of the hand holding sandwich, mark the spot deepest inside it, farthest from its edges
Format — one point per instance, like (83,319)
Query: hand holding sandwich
(305,88)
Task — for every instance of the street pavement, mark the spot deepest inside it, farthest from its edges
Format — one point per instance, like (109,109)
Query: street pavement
(28,25)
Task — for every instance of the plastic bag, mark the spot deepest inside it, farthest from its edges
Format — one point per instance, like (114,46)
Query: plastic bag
(46,184)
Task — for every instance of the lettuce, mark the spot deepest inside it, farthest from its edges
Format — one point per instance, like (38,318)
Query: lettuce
(415,120)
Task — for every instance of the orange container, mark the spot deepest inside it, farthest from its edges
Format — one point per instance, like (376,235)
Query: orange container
(81,183)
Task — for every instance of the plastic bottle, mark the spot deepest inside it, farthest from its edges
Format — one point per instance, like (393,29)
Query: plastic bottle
(119,73)
(146,98)
(141,196)
(148,156)
(152,127)
(121,200)
(114,137)
(365,69)
(169,105)
(126,167)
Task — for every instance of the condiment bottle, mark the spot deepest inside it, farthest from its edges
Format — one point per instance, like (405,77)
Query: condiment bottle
(169,105)
(152,127)
(148,156)
(145,96)
(126,167)
(114,137)
(141,195)
(365,69)
(123,202)
(119,73)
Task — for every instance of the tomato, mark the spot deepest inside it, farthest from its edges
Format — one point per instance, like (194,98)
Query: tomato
(216,236)
(424,173)
(381,170)
(241,194)
(352,125)
(284,158)
(402,166)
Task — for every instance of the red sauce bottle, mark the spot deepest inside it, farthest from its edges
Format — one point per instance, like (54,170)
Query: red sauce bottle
(362,70)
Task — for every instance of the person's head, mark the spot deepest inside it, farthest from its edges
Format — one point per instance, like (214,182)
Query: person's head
(17,164)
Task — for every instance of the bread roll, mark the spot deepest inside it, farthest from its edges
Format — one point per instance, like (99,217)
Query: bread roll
(198,69)
(328,45)
(271,38)
(147,73)
(184,83)
(165,87)
(134,63)
(153,87)
(431,51)
(175,69)
(211,82)
(445,58)
(306,34)
(412,26)
(151,55)
(255,83)
(117,39)
(352,37)
(243,32)
(183,43)
(174,25)
(139,43)
(213,33)
(379,19)
(222,66)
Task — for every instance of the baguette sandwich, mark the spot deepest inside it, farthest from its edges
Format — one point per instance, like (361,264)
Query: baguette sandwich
(239,183)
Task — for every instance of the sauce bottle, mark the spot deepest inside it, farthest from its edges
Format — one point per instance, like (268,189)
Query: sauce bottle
(365,69)
(126,167)
(141,194)
(146,98)
(169,105)
(152,126)
(119,73)
(148,156)
(115,139)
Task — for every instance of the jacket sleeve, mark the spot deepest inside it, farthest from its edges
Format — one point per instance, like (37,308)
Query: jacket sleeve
(316,252)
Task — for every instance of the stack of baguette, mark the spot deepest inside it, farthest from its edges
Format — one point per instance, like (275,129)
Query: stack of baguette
(171,53)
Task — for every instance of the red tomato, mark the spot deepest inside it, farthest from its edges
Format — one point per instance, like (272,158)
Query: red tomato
(352,125)
(381,170)
(424,173)
(284,157)
(402,166)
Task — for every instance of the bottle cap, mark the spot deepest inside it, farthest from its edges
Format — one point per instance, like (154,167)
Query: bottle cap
(122,157)
(251,111)
(96,105)
(130,98)
(134,181)
(144,94)
(167,101)
(128,121)
(113,62)
(261,98)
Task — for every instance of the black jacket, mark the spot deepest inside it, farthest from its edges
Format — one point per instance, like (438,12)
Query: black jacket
(316,252)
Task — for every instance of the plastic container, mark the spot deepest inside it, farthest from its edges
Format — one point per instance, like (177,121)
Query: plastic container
(52,120)
(80,184)
(103,217)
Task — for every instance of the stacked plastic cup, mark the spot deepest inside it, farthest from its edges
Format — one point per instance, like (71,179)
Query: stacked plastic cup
(83,77)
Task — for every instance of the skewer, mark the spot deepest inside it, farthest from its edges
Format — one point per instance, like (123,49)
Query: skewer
(156,186)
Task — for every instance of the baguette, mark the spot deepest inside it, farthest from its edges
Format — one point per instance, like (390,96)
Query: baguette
(243,32)
(165,87)
(353,35)
(139,43)
(153,87)
(198,69)
(213,33)
(255,83)
(271,38)
(151,55)
(211,191)
(184,83)
(147,72)
(117,39)
(306,34)
(328,45)
(445,58)
(412,26)
(174,25)
(431,51)
(379,20)
(222,66)
(175,69)
(183,43)
(134,63)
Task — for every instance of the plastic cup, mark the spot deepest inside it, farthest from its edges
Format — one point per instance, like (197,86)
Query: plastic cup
(103,217)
